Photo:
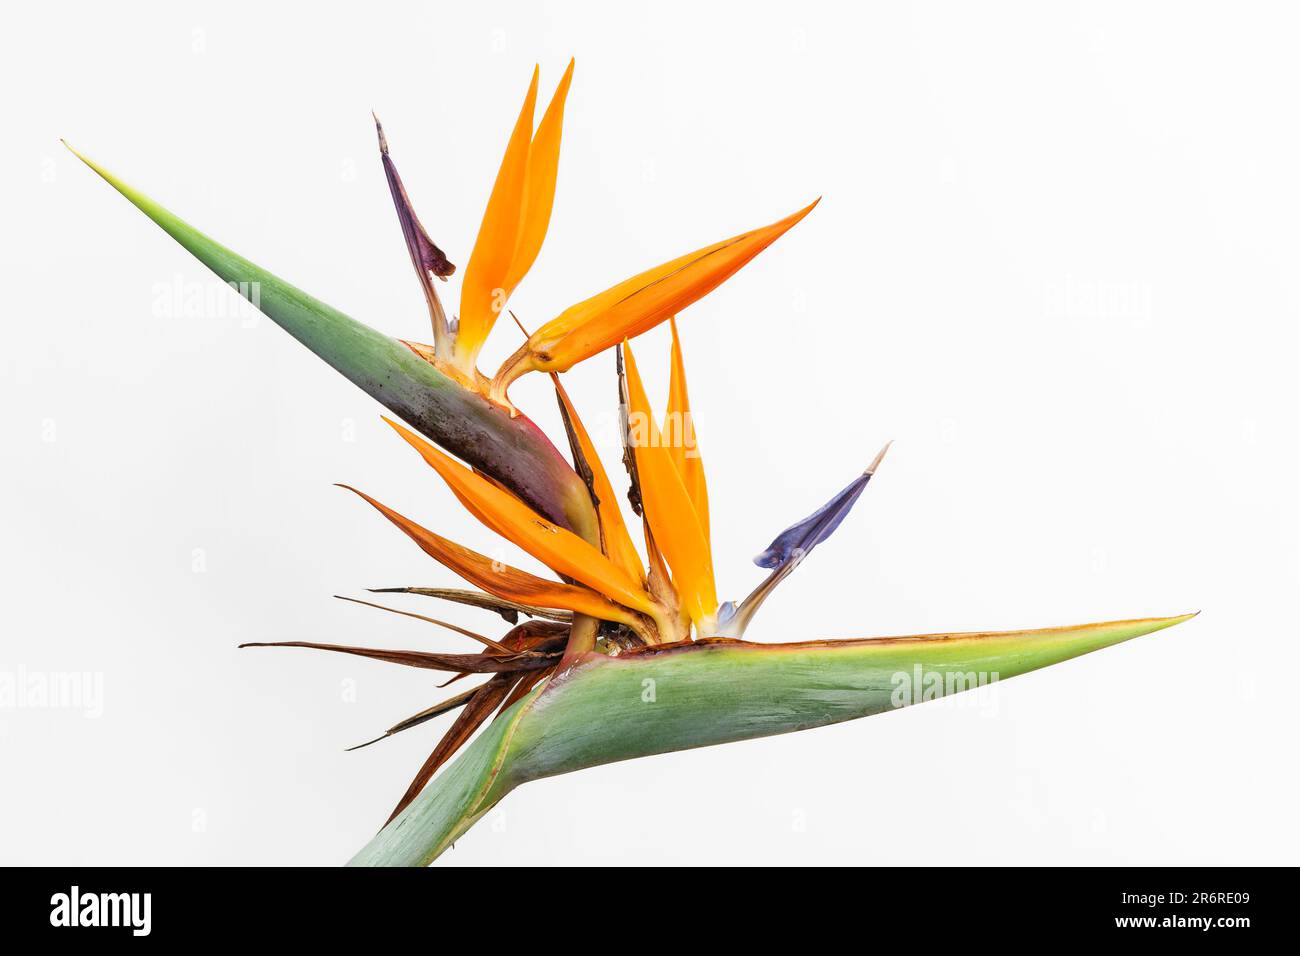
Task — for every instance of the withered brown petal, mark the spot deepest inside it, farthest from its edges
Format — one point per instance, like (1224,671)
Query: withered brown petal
(472,635)
(451,703)
(509,610)
(479,708)
(467,663)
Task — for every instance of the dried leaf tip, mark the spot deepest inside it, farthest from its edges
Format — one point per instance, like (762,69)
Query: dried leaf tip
(880,456)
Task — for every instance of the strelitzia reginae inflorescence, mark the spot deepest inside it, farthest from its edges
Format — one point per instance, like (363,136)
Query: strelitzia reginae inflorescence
(565,687)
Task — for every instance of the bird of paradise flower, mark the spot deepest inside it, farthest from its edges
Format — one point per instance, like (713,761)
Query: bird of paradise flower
(565,685)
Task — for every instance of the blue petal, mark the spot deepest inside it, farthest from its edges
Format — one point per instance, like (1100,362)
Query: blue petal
(800,538)
(790,547)
(726,611)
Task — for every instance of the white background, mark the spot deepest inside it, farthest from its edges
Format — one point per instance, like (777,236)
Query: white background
(1055,261)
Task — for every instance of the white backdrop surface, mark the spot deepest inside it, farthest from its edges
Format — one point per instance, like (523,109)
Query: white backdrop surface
(1054,262)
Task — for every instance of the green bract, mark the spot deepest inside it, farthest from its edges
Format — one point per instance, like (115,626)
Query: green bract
(712,692)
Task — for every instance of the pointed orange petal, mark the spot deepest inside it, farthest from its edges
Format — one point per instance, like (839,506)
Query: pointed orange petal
(539,194)
(482,295)
(683,442)
(617,540)
(559,549)
(500,579)
(637,304)
(668,509)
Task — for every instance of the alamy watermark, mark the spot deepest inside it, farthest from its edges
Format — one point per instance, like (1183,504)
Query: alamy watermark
(677,431)
(75,908)
(1099,299)
(920,685)
(53,690)
(179,299)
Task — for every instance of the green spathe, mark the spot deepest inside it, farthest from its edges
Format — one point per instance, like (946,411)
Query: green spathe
(676,697)
(512,450)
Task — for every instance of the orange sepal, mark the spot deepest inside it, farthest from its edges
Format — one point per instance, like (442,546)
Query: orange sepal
(539,192)
(482,295)
(636,304)
(668,509)
(617,540)
(685,444)
(501,579)
(558,548)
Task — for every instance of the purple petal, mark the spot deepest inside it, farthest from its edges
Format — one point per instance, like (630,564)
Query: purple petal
(800,538)
(428,259)
(790,547)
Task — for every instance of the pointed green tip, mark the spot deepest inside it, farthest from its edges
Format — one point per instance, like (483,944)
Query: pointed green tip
(89,162)
(1160,623)
(98,169)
